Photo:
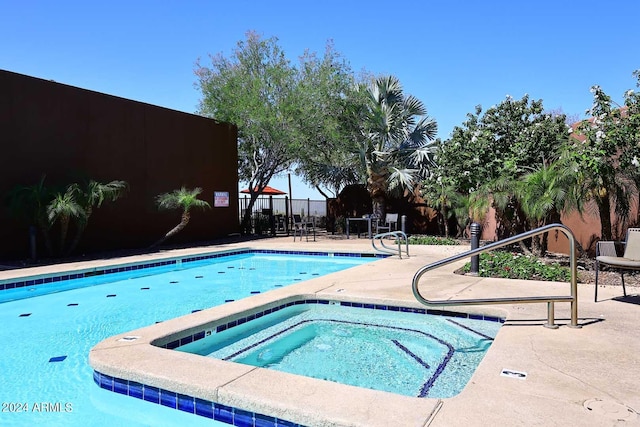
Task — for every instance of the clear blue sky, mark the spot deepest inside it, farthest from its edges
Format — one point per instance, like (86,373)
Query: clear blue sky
(451,55)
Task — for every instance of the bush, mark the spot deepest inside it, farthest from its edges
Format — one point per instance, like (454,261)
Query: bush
(432,240)
(512,265)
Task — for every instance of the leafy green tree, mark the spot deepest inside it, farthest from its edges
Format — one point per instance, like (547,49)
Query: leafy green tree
(396,149)
(489,153)
(90,196)
(458,159)
(184,199)
(325,96)
(632,122)
(604,154)
(254,89)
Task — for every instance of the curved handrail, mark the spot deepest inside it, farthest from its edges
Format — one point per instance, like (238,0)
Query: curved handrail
(573,298)
(386,249)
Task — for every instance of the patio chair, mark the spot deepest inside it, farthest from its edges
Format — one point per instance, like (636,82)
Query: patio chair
(301,228)
(390,222)
(607,255)
(280,222)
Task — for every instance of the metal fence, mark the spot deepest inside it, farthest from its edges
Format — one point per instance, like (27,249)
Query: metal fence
(279,210)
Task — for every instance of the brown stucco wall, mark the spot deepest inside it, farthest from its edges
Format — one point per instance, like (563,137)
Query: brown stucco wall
(64,131)
(585,228)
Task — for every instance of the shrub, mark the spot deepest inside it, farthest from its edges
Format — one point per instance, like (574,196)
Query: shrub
(432,240)
(512,265)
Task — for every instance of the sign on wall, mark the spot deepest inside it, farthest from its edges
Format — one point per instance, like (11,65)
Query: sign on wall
(221,199)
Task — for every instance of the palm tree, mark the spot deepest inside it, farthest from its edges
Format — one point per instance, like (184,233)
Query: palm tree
(544,194)
(500,194)
(184,199)
(395,147)
(445,199)
(62,209)
(91,195)
(31,202)
(612,189)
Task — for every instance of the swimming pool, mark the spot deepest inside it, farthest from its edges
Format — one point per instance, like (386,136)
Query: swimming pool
(50,323)
(388,348)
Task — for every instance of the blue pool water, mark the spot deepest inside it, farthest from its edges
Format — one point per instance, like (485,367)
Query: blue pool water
(49,328)
(403,351)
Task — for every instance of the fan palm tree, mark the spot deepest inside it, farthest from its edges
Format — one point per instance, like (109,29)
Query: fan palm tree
(91,195)
(184,199)
(395,148)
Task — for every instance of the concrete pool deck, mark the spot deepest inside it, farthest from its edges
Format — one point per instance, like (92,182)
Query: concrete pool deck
(588,376)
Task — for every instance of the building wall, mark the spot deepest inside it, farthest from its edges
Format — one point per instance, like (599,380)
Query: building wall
(585,229)
(64,132)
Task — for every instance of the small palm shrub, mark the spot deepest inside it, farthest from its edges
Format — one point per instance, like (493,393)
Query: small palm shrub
(184,199)
(66,207)
(512,265)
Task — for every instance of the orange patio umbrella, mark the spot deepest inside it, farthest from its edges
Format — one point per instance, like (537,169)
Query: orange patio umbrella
(268,191)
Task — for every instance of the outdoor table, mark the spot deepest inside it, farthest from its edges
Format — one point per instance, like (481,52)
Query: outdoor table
(367,219)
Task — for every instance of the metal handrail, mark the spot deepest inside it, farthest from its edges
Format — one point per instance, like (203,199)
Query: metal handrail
(573,298)
(386,249)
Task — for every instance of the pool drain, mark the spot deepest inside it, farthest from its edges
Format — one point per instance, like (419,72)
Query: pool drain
(610,409)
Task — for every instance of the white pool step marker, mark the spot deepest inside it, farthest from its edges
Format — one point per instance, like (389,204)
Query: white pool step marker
(511,373)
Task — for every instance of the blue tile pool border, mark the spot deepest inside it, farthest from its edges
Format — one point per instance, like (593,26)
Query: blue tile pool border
(44,279)
(189,404)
